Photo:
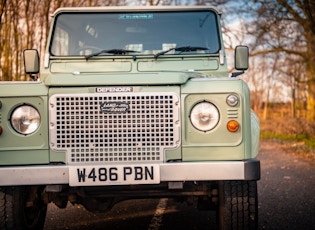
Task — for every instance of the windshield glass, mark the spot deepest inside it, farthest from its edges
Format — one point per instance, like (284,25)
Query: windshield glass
(140,33)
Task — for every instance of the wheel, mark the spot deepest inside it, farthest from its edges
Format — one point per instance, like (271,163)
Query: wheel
(238,205)
(21,208)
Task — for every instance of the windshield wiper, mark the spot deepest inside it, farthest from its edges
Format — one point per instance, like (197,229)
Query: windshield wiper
(181,50)
(111,51)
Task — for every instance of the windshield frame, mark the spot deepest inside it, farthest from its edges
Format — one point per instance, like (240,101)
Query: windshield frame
(57,26)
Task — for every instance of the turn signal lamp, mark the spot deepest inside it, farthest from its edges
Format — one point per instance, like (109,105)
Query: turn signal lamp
(0,130)
(232,126)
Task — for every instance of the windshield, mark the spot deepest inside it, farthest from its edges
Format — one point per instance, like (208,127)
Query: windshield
(135,33)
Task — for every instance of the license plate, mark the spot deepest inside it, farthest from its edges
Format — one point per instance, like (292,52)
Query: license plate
(114,175)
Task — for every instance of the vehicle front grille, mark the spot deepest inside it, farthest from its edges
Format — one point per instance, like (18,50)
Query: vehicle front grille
(133,127)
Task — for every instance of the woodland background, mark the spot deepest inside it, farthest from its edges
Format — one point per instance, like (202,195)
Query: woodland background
(279,33)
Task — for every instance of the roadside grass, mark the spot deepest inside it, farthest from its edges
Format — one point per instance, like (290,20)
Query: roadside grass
(308,141)
(297,134)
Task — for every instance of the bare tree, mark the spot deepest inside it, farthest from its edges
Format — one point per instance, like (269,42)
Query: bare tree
(287,26)
(2,6)
(25,24)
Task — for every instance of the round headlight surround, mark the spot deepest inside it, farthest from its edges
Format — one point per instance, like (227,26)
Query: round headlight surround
(204,116)
(25,119)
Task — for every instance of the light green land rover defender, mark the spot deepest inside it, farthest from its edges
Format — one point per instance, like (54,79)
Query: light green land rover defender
(130,103)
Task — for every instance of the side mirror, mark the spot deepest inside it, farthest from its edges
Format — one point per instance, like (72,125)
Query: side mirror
(31,61)
(241,58)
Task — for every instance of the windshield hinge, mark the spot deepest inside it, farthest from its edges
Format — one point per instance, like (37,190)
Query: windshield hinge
(221,57)
(46,60)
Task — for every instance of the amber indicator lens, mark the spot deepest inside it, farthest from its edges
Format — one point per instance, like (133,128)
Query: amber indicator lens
(232,126)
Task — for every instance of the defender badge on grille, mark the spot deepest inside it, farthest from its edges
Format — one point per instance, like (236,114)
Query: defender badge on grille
(113,89)
(115,107)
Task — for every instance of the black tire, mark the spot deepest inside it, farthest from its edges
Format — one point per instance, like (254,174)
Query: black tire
(17,213)
(238,205)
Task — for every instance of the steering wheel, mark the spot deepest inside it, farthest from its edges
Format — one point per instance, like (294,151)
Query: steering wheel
(87,50)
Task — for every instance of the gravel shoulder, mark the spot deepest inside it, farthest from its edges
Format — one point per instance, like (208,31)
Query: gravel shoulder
(287,186)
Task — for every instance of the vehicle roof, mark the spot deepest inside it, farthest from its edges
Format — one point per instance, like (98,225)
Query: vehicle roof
(135,9)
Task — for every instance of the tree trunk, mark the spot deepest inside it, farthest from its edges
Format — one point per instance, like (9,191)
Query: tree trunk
(310,71)
(311,101)
(293,103)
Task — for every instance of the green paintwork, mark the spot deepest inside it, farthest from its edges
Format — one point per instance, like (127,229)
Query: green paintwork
(178,65)
(194,78)
(22,89)
(24,157)
(218,143)
(116,79)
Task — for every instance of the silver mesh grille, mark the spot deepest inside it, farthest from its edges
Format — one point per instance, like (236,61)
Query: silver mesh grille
(138,133)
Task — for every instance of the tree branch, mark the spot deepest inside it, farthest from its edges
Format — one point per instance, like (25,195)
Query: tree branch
(279,49)
(293,12)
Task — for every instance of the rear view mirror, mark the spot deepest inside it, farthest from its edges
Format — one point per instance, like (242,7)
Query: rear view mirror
(241,57)
(31,61)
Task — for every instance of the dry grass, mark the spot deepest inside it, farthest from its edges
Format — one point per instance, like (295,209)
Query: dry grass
(294,135)
(289,127)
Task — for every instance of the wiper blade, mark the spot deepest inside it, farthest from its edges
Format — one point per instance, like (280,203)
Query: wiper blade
(181,50)
(111,51)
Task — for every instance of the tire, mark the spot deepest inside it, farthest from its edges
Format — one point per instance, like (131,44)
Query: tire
(238,205)
(21,208)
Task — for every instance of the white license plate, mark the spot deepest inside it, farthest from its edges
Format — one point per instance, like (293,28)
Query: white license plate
(114,175)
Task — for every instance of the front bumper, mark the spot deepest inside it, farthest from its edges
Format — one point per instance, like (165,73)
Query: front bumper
(187,171)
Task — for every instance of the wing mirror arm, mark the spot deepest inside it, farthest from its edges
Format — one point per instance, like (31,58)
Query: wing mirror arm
(235,74)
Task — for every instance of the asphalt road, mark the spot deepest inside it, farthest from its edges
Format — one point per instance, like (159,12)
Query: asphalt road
(286,201)
(287,188)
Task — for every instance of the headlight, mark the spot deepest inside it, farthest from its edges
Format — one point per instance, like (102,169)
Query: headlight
(25,119)
(204,116)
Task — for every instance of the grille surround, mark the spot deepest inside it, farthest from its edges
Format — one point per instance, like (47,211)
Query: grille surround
(91,136)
